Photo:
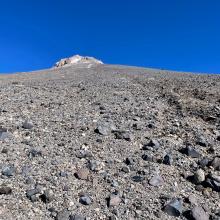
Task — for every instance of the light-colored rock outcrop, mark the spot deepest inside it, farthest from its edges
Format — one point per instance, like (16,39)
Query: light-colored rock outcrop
(77,60)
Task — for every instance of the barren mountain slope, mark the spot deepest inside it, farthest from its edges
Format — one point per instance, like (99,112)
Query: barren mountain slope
(109,142)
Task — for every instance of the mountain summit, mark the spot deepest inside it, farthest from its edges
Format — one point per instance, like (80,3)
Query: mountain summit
(76,60)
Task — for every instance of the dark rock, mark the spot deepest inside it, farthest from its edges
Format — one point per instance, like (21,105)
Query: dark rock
(147,157)
(47,196)
(218,138)
(34,153)
(8,171)
(174,207)
(137,178)
(154,144)
(85,200)
(129,161)
(5,190)
(123,135)
(63,215)
(198,213)
(216,163)
(156,181)
(4,150)
(191,152)
(204,162)
(27,125)
(168,160)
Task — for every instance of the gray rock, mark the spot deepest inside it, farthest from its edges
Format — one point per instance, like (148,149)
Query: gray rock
(168,160)
(8,171)
(31,194)
(198,213)
(63,215)
(203,162)
(85,200)
(47,196)
(174,207)
(82,174)
(103,130)
(156,181)
(129,161)
(77,217)
(5,190)
(137,179)
(4,134)
(154,144)
(120,134)
(201,141)
(216,163)
(147,157)
(27,125)
(191,152)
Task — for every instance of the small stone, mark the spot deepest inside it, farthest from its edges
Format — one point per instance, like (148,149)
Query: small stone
(63,215)
(168,160)
(3,133)
(174,208)
(27,125)
(114,200)
(199,176)
(123,135)
(156,181)
(85,200)
(103,130)
(4,150)
(202,141)
(147,157)
(203,162)
(8,171)
(153,144)
(198,213)
(83,154)
(95,165)
(77,217)
(5,190)
(34,153)
(31,194)
(47,196)
(129,161)
(125,169)
(192,199)
(191,152)
(137,179)
(82,174)
(216,163)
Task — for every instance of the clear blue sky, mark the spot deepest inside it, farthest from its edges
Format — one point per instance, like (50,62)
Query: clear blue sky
(169,34)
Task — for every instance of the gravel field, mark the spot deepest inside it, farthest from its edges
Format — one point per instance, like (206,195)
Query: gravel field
(109,142)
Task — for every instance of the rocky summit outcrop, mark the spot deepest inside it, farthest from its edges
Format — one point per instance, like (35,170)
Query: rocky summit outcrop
(109,143)
(78,60)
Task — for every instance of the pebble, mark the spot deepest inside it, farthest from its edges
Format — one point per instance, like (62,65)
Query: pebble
(201,141)
(198,213)
(199,176)
(114,200)
(77,217)
(147,157)
(31,194)
(5,190)
(191,152)
(203,162)
(85,200)
(123,135)
(82,174)
(137,178)
(103,130)
(129,161)
(156,181)
(4,134)
(216,163)
(95,165)
(27,125)
(153,143)
(174,207)
(47,196)
(168,160)
(8,171)
(63,215)
(125,169)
